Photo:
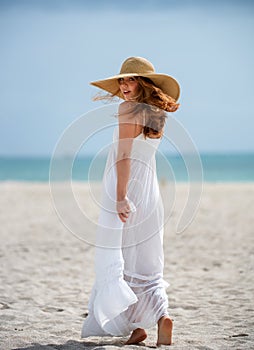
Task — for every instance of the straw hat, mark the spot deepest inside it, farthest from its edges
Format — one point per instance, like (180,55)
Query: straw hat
(139,66)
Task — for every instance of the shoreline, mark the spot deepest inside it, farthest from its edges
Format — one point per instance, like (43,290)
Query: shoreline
(35,182)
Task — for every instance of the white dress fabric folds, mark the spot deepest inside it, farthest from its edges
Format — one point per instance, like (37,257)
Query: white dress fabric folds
(129,290)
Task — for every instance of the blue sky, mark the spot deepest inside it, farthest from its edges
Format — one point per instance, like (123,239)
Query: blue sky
(51,50)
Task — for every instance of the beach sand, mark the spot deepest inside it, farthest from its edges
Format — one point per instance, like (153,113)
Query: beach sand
(47,273)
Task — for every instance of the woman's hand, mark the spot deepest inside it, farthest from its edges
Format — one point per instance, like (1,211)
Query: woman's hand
(123,209)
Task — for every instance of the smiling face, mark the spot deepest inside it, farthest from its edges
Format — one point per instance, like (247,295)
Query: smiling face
(129,88)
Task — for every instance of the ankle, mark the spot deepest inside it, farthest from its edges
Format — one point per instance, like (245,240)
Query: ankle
(138,330)
(165,317)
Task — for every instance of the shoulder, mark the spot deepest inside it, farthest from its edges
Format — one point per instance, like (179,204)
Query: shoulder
(126,119)
(125,110)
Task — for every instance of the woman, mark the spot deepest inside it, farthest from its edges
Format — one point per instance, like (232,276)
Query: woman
(129,295)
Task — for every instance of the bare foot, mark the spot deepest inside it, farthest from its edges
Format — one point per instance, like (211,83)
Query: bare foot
(137,336)
(165,326)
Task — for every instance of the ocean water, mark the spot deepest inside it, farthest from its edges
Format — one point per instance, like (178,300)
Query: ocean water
(213,168)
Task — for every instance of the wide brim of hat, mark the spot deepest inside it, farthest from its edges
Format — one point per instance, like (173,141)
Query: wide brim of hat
(166,83)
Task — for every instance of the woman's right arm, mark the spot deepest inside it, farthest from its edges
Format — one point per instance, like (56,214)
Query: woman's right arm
(126,135)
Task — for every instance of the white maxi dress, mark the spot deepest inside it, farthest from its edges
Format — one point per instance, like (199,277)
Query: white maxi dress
(129,290)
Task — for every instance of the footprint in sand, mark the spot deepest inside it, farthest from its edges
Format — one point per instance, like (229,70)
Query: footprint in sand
(52,309)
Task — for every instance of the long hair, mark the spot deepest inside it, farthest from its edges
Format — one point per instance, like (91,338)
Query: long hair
(152,103)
